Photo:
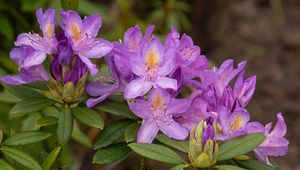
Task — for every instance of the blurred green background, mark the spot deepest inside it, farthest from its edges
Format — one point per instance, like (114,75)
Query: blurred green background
(264,32)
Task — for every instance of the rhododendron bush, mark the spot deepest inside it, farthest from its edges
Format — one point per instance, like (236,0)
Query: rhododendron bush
(159,98)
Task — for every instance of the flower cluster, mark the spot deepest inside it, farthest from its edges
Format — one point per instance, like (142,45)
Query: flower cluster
(69,52)
(151,75)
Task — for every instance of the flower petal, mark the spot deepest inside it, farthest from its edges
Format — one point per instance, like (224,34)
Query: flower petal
(147,131)
(140,108)
(167,83)
(92,67)
(97,88)
(91,25)
(96,49)
(173,130)
(137,87)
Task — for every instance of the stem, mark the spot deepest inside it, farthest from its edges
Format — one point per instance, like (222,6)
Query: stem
(142,163)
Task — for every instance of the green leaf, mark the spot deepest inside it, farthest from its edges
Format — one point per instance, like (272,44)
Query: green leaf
(30,122)
(23,92)
(252,164)
(131,132)
(32,5)
(1,136)
(157,152)
(7,97)
(80,137)
(30,105)
(111,153)
(21,157)
(26,137)
(46,121)
(111,133)
(69,4)
(51,158)
(228,167)
(88,117)
(179,167)
(180,145)
(65,126)
(240,145)
(116,108)
(6,28)
(4,165)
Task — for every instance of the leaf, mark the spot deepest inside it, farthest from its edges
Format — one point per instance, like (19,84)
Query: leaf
(46,121)
(1,136)
(80,137)
(131,132)
(88,117)
(69,4)
(30,105)
(229,167)
(157,152)
(32,5)
(180,145)
(111,133)
(51,158)
(6,28)
(65,126)
(4,165)
(23,92)
(21,157)
(252,164)
(111,153)
(116,108)
(26,137)
(179,167)
(240,145)
(7,97)
(30,122)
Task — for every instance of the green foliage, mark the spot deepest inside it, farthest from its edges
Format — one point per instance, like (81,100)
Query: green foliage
(240,145)
(116,108)
(131,132)
(180,145)
(157,152)
(65,126)
(252,164)
(26,137)
(111,133)
(88,117)
(51,158)
(111,153)
(179,167)
(229,167)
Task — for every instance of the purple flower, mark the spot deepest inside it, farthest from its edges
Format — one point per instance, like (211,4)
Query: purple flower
(233,124)
(82,37)
(244,89)
(151,66)
(187,54)
(220,77)
(26,75)
(157,114)
(275,144)
(41,45)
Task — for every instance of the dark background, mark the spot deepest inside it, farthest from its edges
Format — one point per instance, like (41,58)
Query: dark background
(264,32)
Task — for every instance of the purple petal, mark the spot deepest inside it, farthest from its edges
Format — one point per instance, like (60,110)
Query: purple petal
(173,130)
(133,38)
(280,127)
(46,21)
(97,88)
(255,127)
(137,87)
(35,58)
(94,101)
(238,119)
(91,25)
(159,95)
(167,83)
(97,48)
(153,52)
(147,131)
(16,55)
(141,109)
(172,39)
(92,67)
(137,66)
(178,106)
(169,62)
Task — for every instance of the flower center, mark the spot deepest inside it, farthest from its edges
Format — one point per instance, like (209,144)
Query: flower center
(49,31)
(75,30)
(151,59)
(236,123)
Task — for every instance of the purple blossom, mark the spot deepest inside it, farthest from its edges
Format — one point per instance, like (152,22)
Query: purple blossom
(82,37)
(233,124)
(220,77)
(151,66)
(26,75)
(244,89)
(41,45)
(275,143)
(208,131)
(157,114)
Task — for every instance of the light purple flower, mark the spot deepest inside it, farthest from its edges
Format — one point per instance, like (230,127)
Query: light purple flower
(233,124)
(26,75)
(157,114)
(220,77)
(82,36)
(244,89)
(41,45)
(187,54)
(275,144)
(152,66)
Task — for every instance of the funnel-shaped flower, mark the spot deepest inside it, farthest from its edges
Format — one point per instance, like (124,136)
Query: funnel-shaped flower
(82,36)
(157,114)
(28,75)
(275,143)
(203,149)
(152,66)
(41,45)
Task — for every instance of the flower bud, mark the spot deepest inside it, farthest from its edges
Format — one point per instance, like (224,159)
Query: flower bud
(203,149)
